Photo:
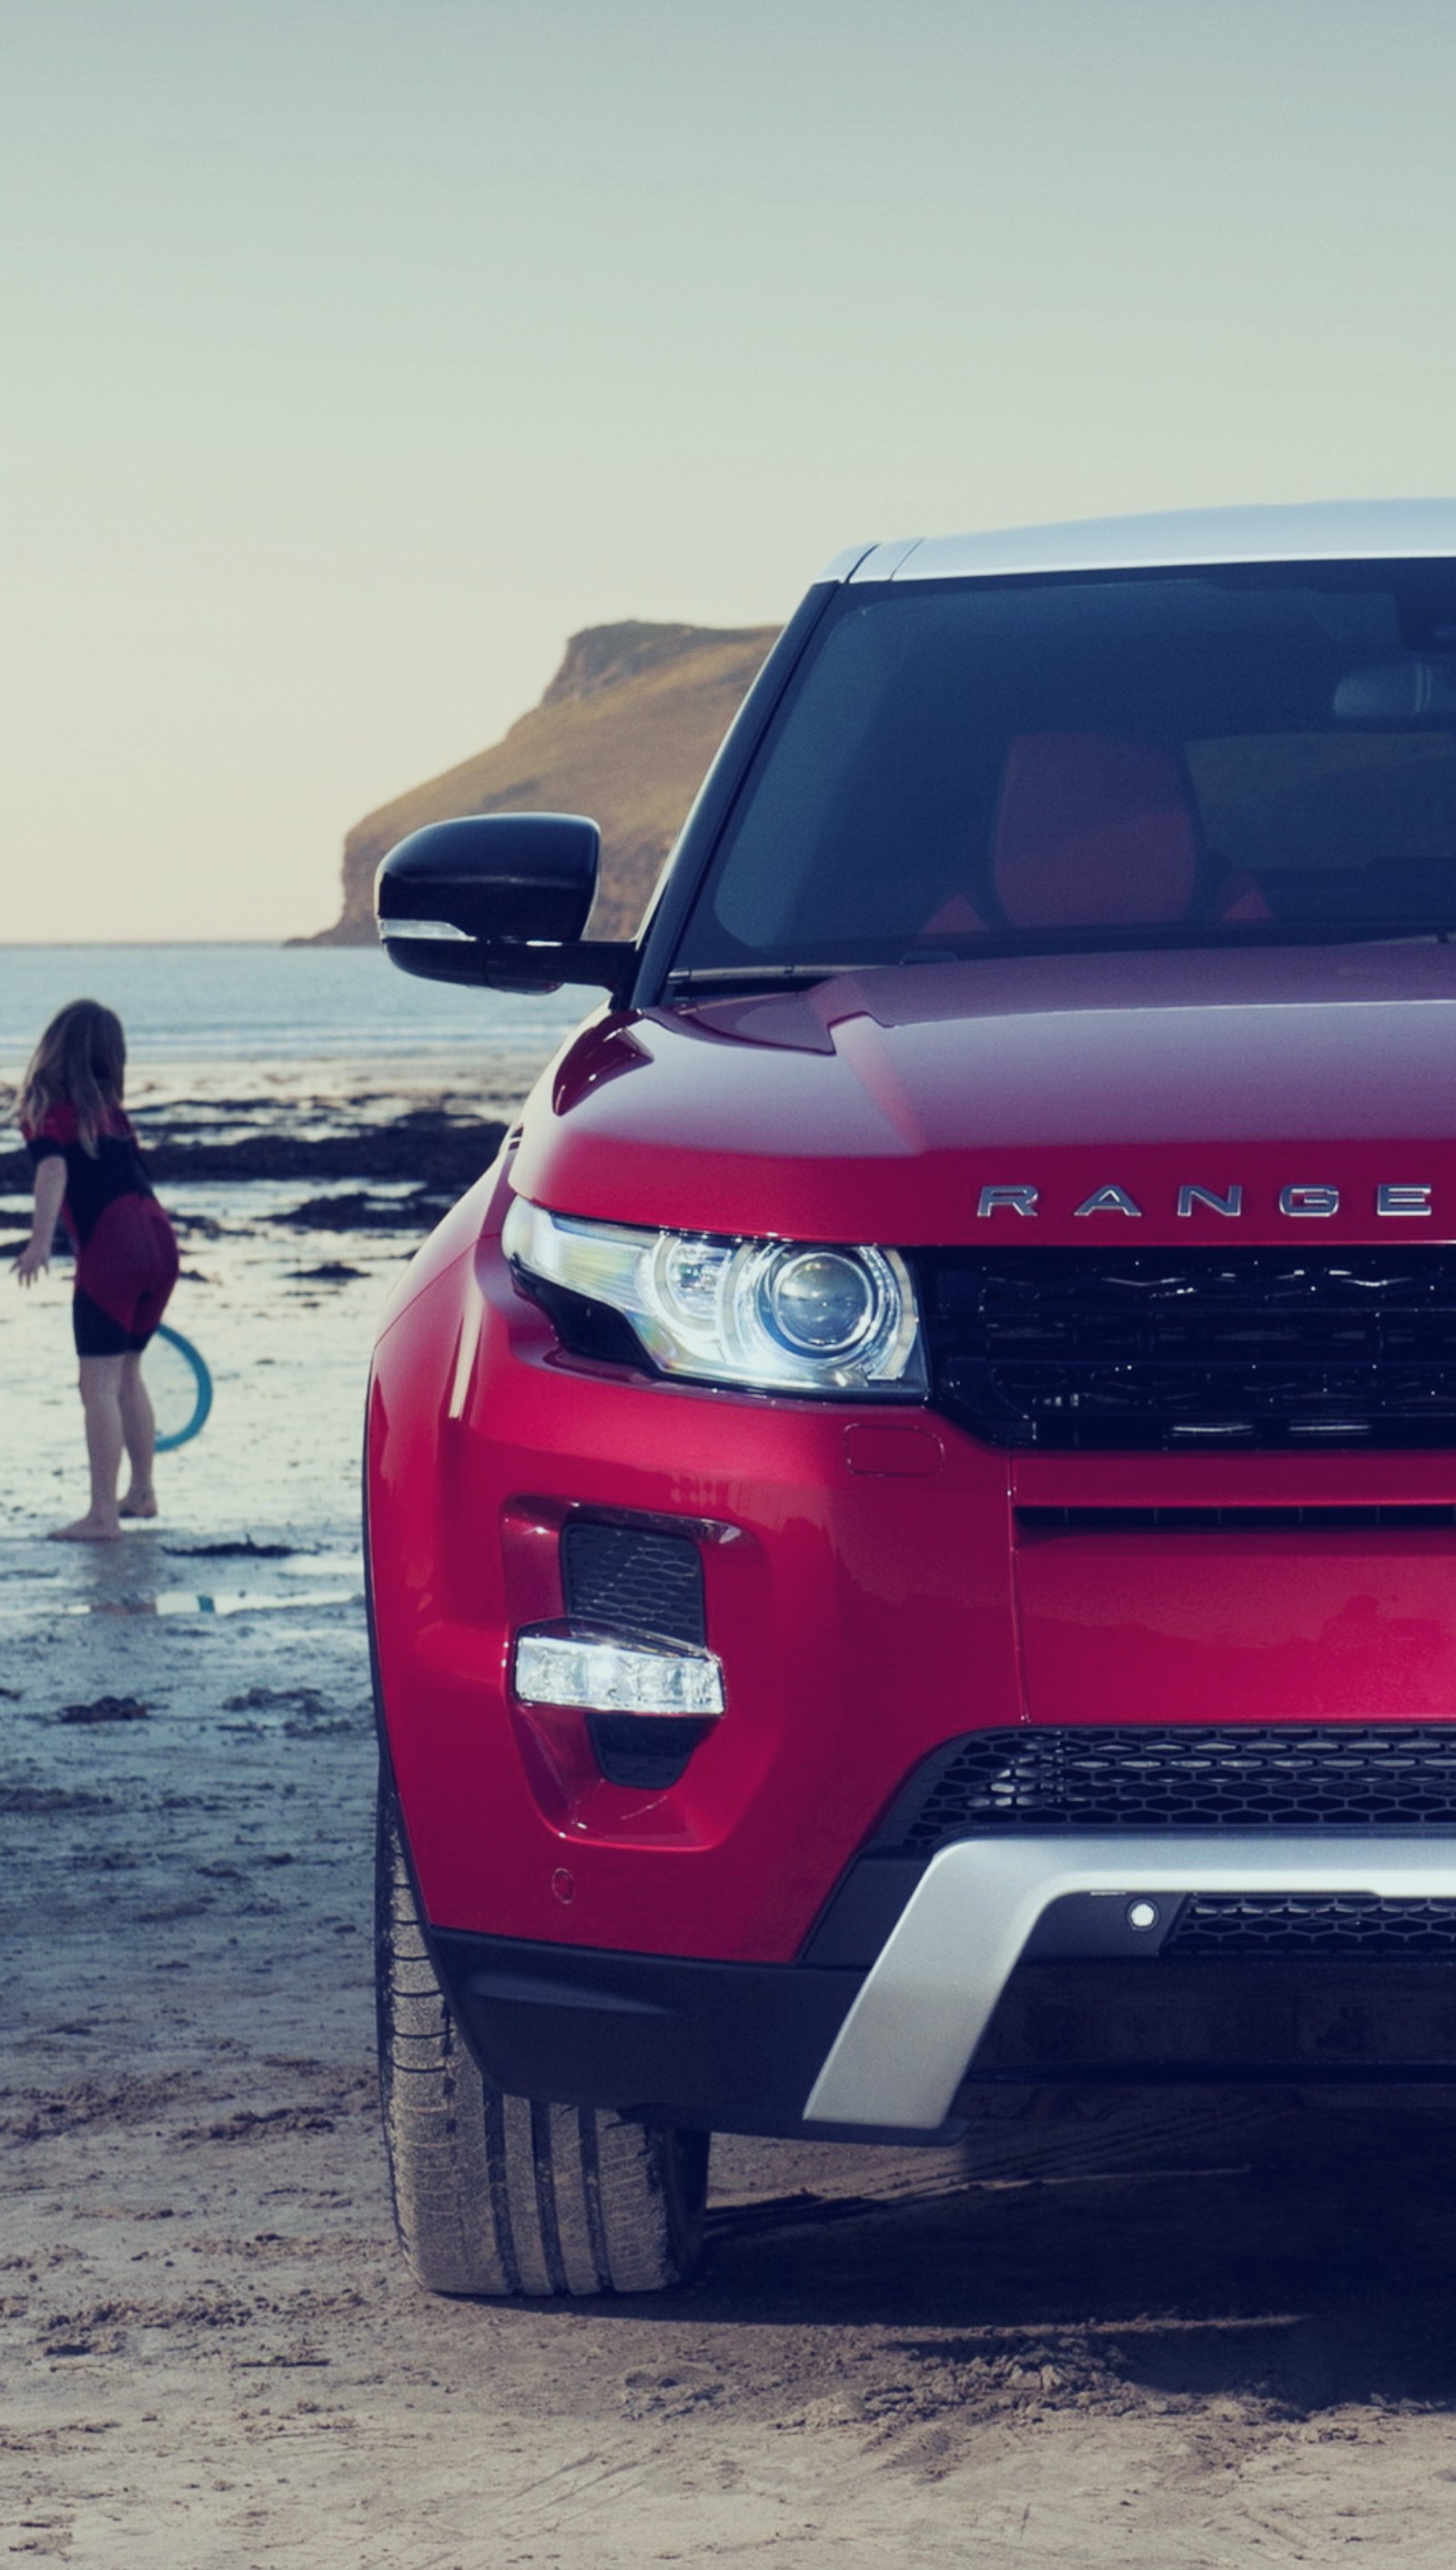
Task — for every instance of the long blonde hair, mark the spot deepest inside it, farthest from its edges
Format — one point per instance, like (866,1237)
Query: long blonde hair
(81,1059)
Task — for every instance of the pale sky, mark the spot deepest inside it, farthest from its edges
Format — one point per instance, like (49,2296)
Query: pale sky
(358,351)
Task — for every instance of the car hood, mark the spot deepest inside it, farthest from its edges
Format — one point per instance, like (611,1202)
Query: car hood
(881,1106)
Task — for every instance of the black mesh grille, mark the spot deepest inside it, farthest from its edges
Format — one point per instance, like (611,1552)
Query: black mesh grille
(639,1581)
(1345,1927)
(1332,1777)
(634,1577)
(1142,1349)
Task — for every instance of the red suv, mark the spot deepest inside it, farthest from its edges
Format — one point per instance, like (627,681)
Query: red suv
(913,1513)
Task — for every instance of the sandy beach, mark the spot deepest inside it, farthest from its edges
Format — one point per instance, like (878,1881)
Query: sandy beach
(1124,2328)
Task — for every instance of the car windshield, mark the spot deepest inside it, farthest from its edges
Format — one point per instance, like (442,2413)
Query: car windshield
(1224,756)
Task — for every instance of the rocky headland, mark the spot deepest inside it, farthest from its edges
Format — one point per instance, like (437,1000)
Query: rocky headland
(625,733)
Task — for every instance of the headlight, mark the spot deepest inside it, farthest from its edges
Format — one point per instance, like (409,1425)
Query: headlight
(779,1314)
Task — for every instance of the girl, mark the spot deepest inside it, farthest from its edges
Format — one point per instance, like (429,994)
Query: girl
(88,1174)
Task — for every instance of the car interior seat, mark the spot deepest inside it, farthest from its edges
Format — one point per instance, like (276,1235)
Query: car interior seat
(1095,830)
(1098,830)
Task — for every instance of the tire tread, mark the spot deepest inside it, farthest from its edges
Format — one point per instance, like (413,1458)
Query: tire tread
(500,2195)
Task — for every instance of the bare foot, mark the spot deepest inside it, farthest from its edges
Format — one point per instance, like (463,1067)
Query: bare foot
(86,1530)
(137,1503)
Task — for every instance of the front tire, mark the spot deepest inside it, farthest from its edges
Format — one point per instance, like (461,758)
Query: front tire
(504,2195)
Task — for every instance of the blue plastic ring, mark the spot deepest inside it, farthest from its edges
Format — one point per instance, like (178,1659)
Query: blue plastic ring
(203,1382)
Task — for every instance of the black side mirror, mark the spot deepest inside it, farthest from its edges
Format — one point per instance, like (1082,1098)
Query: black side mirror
(498,898)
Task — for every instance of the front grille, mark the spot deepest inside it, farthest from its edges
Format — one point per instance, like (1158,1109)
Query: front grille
(1347,1777)
(1200,1351)
(636,1581)
(1350,1927)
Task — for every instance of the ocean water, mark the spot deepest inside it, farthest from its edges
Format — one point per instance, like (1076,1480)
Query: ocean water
(206,1008)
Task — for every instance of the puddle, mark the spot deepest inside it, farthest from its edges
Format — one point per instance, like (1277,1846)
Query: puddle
(195,1601)
(192,1602)
(112,1586)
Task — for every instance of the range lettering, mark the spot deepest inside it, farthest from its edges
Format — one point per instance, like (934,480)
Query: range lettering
(1395,1200)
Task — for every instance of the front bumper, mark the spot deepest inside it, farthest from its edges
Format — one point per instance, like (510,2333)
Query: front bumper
(972,1983)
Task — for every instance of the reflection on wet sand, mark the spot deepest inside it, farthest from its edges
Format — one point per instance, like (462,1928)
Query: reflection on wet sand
(189,1602)
(120,1579)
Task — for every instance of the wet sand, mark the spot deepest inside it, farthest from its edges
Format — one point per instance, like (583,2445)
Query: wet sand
(1122,2328)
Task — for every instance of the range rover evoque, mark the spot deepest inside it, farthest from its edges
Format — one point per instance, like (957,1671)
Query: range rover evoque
(913,1513)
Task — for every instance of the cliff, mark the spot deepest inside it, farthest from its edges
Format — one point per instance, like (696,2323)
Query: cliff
(625,733)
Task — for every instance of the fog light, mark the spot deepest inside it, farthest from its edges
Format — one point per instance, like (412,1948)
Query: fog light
(602,1672)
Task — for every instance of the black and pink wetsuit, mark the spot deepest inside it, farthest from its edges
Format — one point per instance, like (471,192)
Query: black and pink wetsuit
(126,1251)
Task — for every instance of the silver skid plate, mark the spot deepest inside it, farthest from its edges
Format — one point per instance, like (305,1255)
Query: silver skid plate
(912,2033)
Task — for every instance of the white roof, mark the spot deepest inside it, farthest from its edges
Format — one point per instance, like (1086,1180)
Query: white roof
(1307,530)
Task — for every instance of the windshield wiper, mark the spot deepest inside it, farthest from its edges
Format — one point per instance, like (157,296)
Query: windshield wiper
(1219,937)
(756,977)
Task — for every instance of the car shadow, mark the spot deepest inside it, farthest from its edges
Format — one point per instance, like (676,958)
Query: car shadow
(1296,2246)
